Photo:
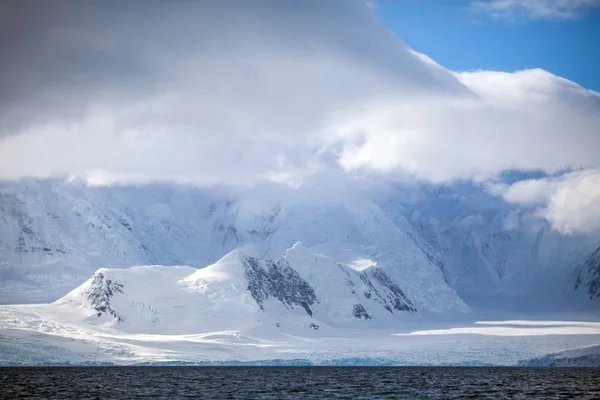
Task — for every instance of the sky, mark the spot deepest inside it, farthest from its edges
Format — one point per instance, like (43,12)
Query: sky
(465,35)
(292,92)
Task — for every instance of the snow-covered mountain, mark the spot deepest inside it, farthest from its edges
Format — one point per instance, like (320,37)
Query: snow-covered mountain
(499,256)
(300,289)
(440,246)
(300,309)
(163,273)
(55,235)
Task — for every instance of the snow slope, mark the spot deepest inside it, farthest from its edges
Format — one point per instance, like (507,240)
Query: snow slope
(56,234)
(497,256)
(300,290)
(444,244)
(302,308)
(34,334)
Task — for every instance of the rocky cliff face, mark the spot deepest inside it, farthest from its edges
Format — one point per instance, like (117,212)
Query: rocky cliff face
(100,293)
(279,281)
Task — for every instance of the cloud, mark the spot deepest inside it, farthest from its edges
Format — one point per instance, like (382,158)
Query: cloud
(202,92)
(570,202)
(526,120)
(534,9)
(207,93)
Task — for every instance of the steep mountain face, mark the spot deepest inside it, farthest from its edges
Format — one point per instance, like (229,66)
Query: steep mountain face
(242,291)
(56,234)
(100,292)
(495,255)
(445,246)
(366,294)
(588,278)
(53,235)
(279,281)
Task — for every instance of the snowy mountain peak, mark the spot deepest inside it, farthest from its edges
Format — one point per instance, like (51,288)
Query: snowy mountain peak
(100,292)
(300,288)
(262,279)
(441,252)
(372,290)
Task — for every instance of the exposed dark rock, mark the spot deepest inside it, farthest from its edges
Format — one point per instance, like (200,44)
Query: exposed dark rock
(122,221)
(280,281)
(435,261)
(231,235)
(100,294)
(360,312)
(394,296)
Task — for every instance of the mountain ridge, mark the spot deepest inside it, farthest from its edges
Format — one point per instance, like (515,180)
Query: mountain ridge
(444,248)
(239,290)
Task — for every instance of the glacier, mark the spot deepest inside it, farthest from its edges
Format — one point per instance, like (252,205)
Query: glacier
(588,356)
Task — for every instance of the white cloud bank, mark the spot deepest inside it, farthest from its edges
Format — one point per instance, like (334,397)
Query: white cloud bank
(209,93)
(570,202)
(534,9)
(203,92)
(525,120)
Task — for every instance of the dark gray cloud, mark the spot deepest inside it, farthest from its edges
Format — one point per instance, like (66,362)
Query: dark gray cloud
(157,85)
(61,57)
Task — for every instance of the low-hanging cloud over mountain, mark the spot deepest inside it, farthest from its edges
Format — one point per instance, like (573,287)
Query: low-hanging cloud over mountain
(570,202)
(237,93)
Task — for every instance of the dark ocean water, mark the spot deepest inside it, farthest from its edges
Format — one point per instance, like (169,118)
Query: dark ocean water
(298,382)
